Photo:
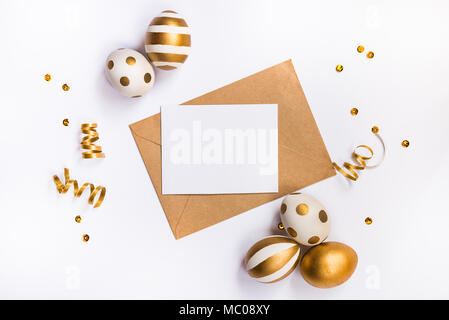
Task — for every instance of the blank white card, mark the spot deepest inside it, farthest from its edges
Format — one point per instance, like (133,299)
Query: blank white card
(216,149)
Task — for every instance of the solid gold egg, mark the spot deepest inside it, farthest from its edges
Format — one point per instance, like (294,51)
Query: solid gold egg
(328,264)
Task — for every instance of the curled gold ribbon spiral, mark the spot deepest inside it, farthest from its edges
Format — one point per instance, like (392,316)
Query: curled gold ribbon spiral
(63,188)
(360,160)
(88,141)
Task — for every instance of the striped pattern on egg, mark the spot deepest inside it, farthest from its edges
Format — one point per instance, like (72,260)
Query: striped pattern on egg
(272,259)
(167,40)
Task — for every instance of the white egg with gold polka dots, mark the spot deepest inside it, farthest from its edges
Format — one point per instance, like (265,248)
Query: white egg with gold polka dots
(304,219)
(129,72)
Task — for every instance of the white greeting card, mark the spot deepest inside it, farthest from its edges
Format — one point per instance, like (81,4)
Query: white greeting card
(219,149)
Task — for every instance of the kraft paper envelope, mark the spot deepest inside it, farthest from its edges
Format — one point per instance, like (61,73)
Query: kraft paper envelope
(303,158)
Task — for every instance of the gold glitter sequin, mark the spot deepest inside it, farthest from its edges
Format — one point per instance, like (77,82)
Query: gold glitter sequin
(280,226)
(360,49)
(47,77)
(65,122)
(405,143)
(65,87)
(368,220)
(339,68)
(86,237)
(78,219)
(354,111)
(375,129)
(370,55)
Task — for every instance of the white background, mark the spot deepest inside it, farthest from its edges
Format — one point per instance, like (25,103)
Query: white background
(132,252)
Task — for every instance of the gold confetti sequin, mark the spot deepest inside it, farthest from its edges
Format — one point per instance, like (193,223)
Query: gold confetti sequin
(65,122)
(368,220)
(354,111)
(88,142)
(47,77)
(405,143)
(65,87)
(280,226)
(78,219)
(370,55)
(86,237)
(360,49)
(339,68)
(63,188)
(375,129)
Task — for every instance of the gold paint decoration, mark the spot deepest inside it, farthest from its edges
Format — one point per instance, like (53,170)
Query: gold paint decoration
(65,122)
(405,143)
(168,40)
(64,187)
(88,142)
(328,264)
(339,68)
(360,160)
(272,259)
(47,77)
(65,87)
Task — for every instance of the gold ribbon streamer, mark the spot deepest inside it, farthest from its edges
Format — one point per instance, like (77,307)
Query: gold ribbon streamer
(360,160)
(63,188)
(88,141)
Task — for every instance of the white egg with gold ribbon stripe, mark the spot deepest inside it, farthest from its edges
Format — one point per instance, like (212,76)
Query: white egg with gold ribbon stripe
(167,40)
(272,259)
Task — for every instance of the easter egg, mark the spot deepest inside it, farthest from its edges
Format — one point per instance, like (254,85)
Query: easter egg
(305,219)
(328,264)
(167,40)
(272,259)
(129,72)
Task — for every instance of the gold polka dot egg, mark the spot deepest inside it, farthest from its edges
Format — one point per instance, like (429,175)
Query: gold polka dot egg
(129,72)
(167,40)
(305,219)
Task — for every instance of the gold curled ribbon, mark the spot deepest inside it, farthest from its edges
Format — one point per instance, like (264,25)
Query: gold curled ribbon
(88,141)
(63,188)
(360,160)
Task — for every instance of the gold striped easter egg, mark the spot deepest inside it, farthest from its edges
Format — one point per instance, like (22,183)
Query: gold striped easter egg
(167,41)
(272,259)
